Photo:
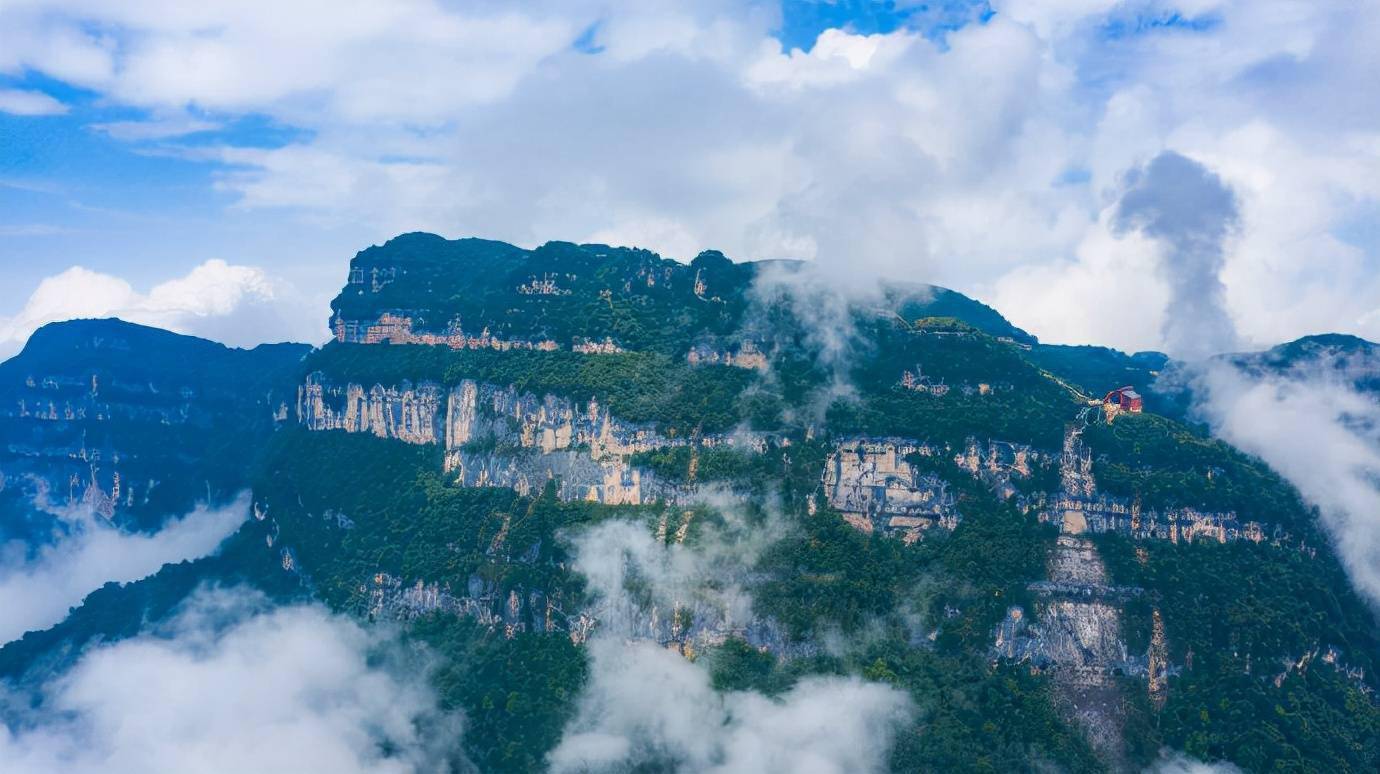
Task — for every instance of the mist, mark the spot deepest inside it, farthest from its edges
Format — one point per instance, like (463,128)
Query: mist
(40,587)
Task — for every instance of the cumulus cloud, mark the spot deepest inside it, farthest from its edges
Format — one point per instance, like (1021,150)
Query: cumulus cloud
(1190,212)
(645,705)
(232,684)
(29,103)
(1319,431)
(40,586)
(238,305)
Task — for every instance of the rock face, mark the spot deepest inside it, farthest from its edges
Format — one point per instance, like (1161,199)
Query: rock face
(611,480)
(688,621)
(407,413)
(998,462)
(511,613)
(748,356)
(396,327)
(497,436)
(1081,639)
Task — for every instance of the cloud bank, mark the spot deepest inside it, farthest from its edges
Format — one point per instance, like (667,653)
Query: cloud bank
(1178,763)
(234,685)
(646,704)
(41,587)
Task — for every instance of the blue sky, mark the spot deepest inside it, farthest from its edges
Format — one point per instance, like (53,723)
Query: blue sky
(974,144)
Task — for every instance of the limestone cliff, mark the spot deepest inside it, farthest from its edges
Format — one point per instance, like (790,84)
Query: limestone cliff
(498,436)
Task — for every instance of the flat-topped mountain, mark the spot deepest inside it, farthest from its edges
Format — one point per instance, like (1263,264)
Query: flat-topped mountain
(561,295)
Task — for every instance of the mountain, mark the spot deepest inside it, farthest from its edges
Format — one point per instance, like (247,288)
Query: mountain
(908,490)
(135,422)
(1350,359)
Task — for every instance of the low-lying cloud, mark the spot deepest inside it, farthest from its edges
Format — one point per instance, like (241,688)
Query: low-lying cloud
(232,684)
(1318,431)
(824,301)
(647,705)
(40,586)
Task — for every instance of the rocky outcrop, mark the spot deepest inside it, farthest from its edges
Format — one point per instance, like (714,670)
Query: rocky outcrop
(748,355)
(398,327)
(610,480)
(405,412)
(997,464)
(876,488)
(511,612)
(687,627)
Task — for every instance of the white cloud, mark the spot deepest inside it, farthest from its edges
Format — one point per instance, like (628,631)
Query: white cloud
(409,60)
(156,128)
(239,305)
(1111,285)
(29,103)
(234,686)
(89,552)
(1321,434)
(31,230)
